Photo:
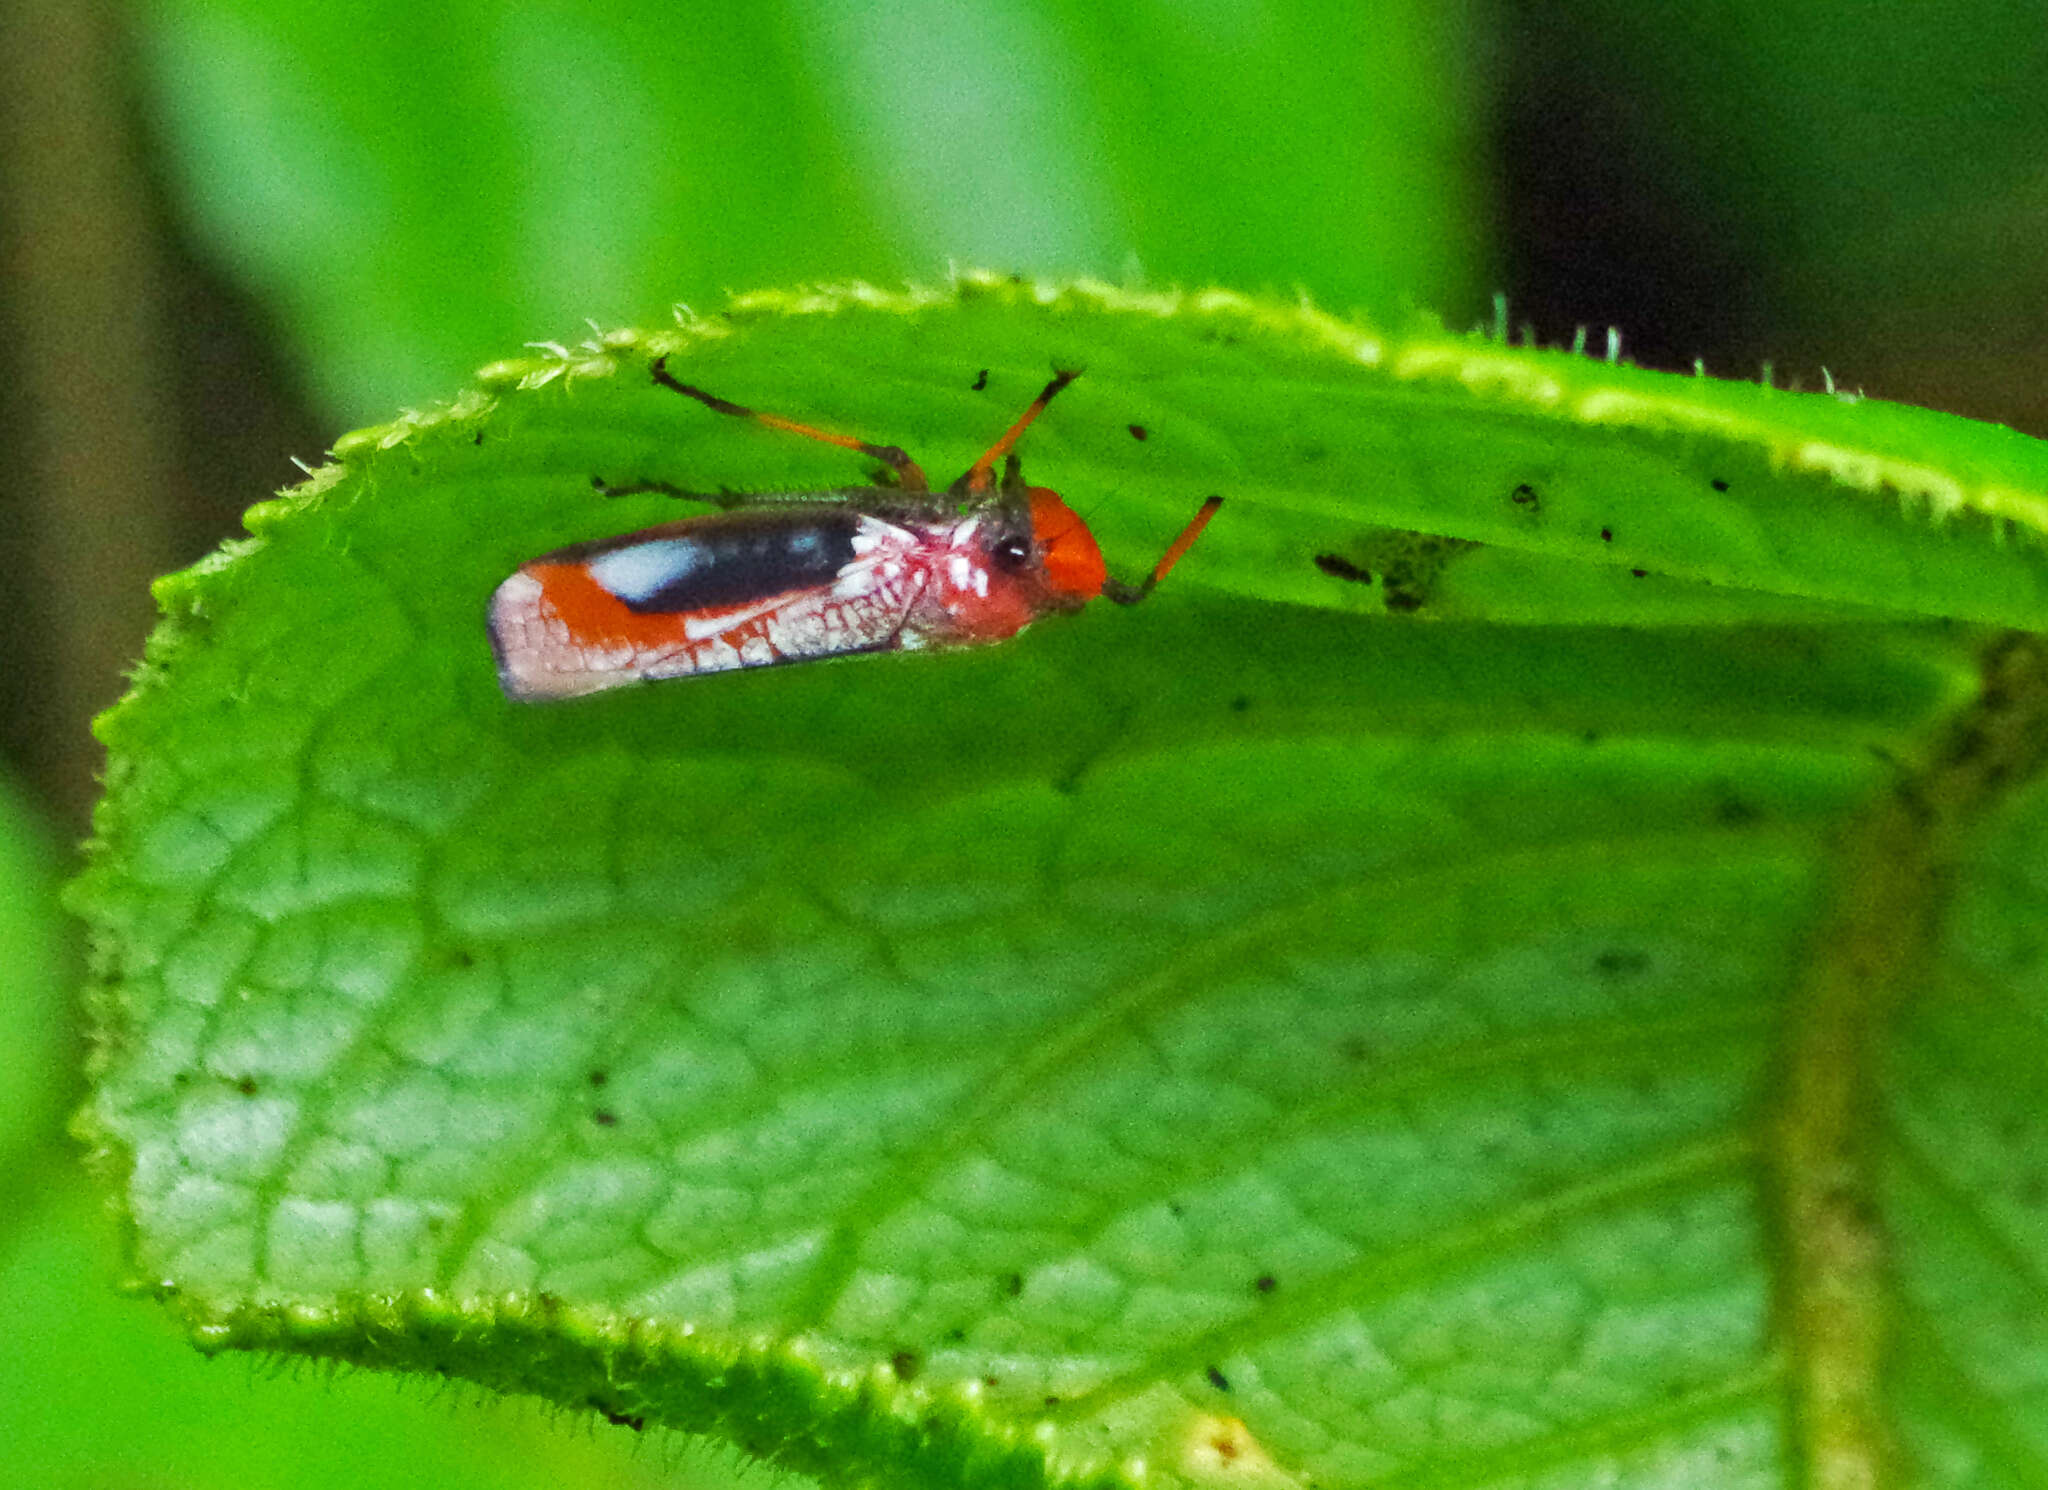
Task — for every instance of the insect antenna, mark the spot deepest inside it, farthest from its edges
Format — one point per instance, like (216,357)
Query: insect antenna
(1128,594)
(908,474)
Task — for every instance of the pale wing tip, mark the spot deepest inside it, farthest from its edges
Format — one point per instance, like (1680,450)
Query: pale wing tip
(534,667)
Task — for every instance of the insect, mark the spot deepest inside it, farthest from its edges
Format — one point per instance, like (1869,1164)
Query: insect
(797,576)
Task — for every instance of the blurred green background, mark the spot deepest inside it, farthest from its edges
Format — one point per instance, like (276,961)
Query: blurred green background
(232,229)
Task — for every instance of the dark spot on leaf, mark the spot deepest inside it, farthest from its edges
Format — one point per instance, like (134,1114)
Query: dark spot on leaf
(620,1419)
(1591,737)
(1621,963)
(604,1118)
(1639,573)
(1407,565)
(246,1086)
(1175,1209)
(1908,795)
(479,438)
(1969,744)
(1138,431)
(1354,1048)
(1216,1378)
(1239,704)
(990,1381)
(1052,1402)
(1525,496)
(980,381)
(1339,567)
(955,1335)
(905,1364)
(1718,484)
(599,1078)
(1607,535)
(1734,812)
(1266,1283)
(1011,1284)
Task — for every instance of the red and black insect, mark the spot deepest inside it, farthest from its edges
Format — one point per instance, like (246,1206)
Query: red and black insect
(794,577)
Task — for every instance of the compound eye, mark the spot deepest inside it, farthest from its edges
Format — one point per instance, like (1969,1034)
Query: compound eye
(1011,553)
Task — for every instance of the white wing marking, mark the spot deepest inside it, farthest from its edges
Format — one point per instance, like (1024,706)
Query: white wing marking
(703,628)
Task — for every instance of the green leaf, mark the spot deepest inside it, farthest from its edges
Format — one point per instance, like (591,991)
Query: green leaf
(1508,1015)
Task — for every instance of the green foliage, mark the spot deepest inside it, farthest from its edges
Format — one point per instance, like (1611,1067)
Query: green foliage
(99,1390)
(1797,122)
(32,996)
(1573,1013)
(415,188)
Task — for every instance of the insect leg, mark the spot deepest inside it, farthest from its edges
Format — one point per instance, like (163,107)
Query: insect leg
(892,456)
(1127,594)
(606,488)
(978,477)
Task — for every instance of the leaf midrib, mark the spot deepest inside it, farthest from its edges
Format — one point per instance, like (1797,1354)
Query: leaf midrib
(1894,870)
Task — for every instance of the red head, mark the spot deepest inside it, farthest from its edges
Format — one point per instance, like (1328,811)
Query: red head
(1074,569)
(1070,562)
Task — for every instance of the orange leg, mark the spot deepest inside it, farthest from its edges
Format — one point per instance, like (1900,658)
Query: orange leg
(896,459)
(1128,594)
(978,477)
